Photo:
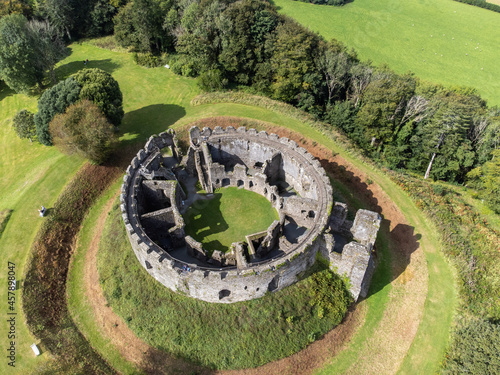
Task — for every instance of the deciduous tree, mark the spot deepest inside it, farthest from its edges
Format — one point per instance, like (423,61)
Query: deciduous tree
(83,129)
(102,89)
(293,58)
(47,45)
(18,65)
(61,14)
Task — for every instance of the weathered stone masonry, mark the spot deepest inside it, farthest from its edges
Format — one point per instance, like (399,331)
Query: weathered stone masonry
(277,168)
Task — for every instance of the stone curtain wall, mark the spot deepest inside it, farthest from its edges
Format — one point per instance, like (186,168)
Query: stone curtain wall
(229,284)
(225,158)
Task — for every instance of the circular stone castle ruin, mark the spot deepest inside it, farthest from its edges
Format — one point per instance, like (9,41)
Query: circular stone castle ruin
(160,185)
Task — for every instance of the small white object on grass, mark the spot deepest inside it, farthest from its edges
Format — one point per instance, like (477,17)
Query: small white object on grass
(35,349)
(167,66)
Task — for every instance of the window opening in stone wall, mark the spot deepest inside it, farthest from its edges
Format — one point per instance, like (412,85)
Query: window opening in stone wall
(224,293)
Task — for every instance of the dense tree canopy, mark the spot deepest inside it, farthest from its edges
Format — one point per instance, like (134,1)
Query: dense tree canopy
(47,46)
(27,51)
(102,89)
(18,66)
(24,125)
(95,85)
(476,349)
(394,118)
(142,25)
(53,101)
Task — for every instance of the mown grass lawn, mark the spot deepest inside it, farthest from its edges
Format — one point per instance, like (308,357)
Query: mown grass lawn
(228,217)
(30,175)
(442,41)
(155,99)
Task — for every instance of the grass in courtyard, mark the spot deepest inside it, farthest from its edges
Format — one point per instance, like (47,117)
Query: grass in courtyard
(238,335)
(228,217)
(441,41)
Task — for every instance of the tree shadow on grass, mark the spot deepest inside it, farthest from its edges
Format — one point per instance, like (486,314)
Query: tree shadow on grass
(64,71)
(5,90)
(139,125)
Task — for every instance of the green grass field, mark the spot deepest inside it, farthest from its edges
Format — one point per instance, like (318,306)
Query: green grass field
(155,99)
(30,175)
(228,217)
(441,41)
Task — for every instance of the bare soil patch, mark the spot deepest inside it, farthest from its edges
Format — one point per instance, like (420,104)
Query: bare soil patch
(395,333)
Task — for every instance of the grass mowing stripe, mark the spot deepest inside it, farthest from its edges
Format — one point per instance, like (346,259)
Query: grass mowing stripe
(78,306)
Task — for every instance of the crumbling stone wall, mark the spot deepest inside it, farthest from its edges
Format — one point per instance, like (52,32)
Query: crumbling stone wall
(254,161)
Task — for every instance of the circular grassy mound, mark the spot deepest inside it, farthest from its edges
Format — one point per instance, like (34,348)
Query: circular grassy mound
(223,336)
(228,217)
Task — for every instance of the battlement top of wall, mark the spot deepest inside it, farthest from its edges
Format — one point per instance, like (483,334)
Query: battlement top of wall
(253,134)
(154,253)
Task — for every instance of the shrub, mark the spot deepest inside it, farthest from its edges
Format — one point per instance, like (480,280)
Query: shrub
(53,101)
(211,80)
(328,295)
(149,60)
(475,350)
(83,129)
(24,125)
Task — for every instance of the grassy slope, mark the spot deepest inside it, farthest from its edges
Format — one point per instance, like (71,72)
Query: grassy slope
(145,94)
(81,311)
(405,33)
(31,175)
(428,347)
(218,222)
(376,307)
(281,322)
